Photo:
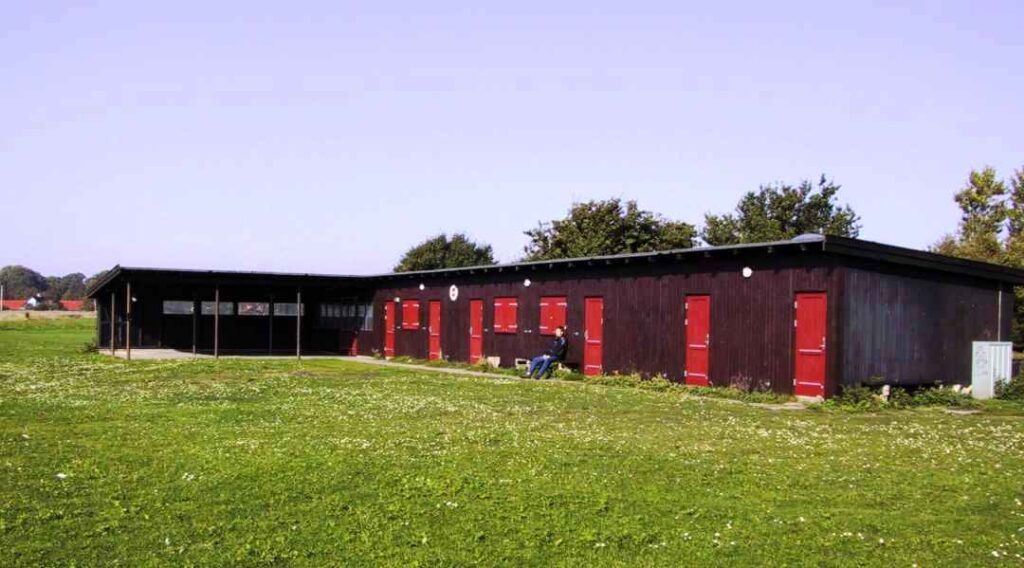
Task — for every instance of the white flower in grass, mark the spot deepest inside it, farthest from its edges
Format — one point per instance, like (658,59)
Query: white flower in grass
(61,476)
(188,476)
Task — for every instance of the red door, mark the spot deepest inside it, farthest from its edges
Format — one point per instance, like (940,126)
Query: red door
(698,339)
(810,334)
(434,351)
(476,330)
(389,329)
(593,336)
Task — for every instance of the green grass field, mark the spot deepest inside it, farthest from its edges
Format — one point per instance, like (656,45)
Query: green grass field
(335,463)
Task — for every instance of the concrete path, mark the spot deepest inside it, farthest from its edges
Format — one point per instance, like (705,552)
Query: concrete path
(149,354)
(445,370)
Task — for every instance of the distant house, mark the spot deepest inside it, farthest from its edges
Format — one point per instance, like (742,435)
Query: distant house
(33,303)
(72,305)
(14,304)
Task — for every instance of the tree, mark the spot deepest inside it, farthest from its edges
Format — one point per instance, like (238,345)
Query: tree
(21,282)
(69,287)
(595,228)
(991,228)
(442,252)
(780,212)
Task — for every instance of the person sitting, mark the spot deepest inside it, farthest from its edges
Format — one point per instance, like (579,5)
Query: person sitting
(540,365)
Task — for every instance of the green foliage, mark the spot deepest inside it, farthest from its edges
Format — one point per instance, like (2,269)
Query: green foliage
(21,282)
(68,287)
(596,228)
(1011,390)
(255,462)
(441,252)
(780,212)
(865,398)
(991,228)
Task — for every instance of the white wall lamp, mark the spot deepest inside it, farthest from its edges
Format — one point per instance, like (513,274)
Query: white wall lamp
(747,272)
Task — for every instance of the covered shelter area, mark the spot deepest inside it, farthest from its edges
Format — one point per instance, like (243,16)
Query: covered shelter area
(222,312)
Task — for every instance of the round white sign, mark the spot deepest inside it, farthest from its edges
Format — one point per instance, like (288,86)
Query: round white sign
(453,292)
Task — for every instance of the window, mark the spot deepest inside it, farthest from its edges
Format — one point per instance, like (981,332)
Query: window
(290,309)
(177,308)
(365,317)
(346,316)
(410,314)
(506,315)
(253,309)
(226,308)
(552,314)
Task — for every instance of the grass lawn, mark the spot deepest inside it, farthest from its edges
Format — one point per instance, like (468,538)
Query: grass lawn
(330,462)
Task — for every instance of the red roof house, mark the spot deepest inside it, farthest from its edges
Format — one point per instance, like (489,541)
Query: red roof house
(14,304)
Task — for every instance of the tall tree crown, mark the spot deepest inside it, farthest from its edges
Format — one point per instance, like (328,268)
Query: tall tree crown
(441,252)
(781,211)
(605,227)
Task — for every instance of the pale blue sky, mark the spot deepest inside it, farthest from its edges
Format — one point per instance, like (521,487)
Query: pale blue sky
(330,136)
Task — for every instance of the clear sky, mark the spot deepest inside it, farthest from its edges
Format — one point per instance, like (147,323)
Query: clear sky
(330,136)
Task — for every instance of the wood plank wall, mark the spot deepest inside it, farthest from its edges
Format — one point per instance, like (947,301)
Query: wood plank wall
(915,327)
(751,319)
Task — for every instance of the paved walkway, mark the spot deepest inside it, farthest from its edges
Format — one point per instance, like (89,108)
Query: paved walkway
(445,370)
(149,354)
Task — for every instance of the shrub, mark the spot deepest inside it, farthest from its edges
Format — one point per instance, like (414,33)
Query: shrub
(942,397)
(867,398)
(1012,389)
(857,396)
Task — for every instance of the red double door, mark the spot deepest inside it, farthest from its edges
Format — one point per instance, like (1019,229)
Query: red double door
(434,331)
(698,339)
(811,323)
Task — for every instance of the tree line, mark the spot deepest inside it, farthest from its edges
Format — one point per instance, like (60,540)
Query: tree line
(21,283)
(774,212)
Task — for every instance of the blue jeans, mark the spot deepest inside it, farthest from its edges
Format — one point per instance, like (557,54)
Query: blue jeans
(540,365)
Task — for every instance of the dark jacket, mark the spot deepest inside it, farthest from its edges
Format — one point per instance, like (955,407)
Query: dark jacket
(558,348)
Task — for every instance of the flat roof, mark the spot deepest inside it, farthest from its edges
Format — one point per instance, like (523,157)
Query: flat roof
(828,244)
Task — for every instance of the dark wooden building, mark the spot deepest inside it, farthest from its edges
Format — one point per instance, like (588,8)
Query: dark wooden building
(807,315)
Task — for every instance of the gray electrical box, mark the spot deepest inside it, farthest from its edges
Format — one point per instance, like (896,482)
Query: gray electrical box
(992,362)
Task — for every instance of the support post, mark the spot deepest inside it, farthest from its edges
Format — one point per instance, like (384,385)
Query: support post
(216,322)
(113,323)
(298,324)
(1,297)
(270,342)
(194,316)
(128,321)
